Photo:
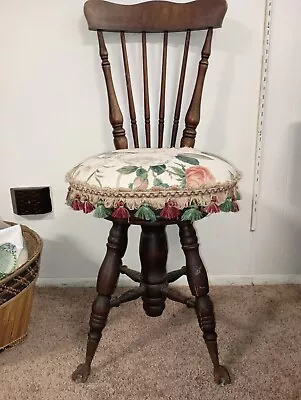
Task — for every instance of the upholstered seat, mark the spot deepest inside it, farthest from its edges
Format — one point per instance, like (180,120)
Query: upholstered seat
(153,183)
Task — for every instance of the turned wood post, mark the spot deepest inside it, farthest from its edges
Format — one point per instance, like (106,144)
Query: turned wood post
(194,111)
(115,115)
(153,255)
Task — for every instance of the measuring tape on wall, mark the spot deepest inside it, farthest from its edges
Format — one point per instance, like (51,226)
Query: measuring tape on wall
(261,109)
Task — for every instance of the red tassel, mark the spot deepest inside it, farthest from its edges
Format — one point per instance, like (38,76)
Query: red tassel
(88,207)
(76,204)
(170,211)
(235,207)
(213,207)
(121,212)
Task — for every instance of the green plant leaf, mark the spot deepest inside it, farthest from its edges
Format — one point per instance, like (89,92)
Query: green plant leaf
(129,169)
(178,171)
(183,183)
(158,169)
(159,182)
(188,160)
(131,186)
(142,173)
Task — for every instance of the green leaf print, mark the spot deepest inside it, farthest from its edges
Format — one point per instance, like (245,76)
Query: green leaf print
(183,183)
(177,171)
(129,169)
(159,182)
(158,169)
(188,160)
(142,173)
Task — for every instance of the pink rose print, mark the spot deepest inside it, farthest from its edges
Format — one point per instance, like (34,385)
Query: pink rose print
(198,175)
(140,183)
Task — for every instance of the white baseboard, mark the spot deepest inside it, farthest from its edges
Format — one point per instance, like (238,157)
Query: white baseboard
(226,280)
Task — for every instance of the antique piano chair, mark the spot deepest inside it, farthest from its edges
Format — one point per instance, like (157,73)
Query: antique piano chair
(153,187)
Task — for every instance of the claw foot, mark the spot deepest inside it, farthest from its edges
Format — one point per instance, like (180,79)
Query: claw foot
(81,374)
(221,375)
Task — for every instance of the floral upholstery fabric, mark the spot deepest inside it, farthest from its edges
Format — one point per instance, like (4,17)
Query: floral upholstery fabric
(153,183)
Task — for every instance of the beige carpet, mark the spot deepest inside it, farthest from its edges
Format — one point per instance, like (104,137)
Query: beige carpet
(161,358)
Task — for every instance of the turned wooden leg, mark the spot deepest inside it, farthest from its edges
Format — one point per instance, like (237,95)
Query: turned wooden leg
(153,255)
(106,283)
(198,283)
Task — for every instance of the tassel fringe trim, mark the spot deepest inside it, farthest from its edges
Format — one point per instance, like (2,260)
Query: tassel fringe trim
(192,208)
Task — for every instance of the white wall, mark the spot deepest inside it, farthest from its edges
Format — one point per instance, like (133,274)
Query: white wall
(53,114)
(277,242)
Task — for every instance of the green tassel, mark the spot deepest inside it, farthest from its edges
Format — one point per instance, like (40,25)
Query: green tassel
(192,214)
(101,211)
(145,212)
(227,205)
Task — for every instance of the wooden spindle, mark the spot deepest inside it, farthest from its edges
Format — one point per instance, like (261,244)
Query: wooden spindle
(162,95)
(129,91)
(115,115)
(146,92)
(193,114)
(175,126)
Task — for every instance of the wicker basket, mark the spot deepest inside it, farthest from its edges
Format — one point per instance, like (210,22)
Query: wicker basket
(17,291)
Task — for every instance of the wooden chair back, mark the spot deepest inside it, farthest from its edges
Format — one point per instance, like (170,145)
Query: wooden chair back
(154,17)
